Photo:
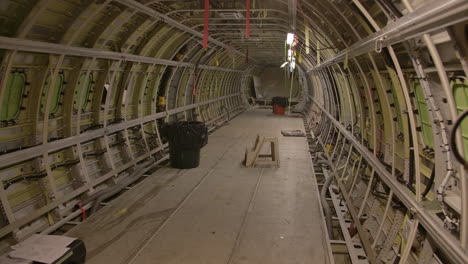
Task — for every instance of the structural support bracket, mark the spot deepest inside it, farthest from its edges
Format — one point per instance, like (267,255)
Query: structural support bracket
(33,152)
(445,241)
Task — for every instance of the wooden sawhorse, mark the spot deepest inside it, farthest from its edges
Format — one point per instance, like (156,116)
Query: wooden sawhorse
(251,156)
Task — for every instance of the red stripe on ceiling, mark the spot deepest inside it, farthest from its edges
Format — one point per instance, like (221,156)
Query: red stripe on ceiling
(247,22)
(300,7)
(205,29)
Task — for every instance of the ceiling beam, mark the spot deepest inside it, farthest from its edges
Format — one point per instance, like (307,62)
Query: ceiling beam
(431,17)
(60,49)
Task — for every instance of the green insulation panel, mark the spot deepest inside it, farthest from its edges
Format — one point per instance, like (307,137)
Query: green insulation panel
(83,83)
(460,92)
(57,89)
(425,117)
(13,94)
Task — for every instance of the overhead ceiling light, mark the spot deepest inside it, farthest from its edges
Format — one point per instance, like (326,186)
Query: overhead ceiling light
(290,38)
(230,15)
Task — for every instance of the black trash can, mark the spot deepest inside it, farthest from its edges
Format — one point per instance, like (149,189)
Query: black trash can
(185,138)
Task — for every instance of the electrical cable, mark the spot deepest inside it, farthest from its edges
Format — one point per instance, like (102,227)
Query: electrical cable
(453,143)
(324,48)
(94,153)
(429,185)
(111,191)
(65,164)
(151,134)
(31,176)
(410,182)
(290,91)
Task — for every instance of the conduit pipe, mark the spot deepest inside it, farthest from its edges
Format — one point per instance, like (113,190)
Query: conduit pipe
(100,196)
(140,170)
(323,195)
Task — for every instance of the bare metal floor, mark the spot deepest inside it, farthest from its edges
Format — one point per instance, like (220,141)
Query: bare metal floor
(220,212)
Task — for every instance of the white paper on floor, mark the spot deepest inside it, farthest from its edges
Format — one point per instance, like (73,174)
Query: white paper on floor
(42,248)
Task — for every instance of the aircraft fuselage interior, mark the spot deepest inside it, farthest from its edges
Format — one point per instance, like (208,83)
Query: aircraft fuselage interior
(234,131)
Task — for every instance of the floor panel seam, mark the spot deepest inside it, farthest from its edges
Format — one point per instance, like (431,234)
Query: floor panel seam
(245,218)
(132,257)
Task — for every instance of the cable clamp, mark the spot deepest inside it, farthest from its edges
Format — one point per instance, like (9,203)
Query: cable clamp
(379,44)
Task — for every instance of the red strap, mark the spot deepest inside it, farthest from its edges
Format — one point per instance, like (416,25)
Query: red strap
(300,7)
(247,22)
(83,211)
(205,29)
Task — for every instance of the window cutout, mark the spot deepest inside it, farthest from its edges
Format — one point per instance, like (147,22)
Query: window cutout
(12,96)
(426,123)
(460,93)
(83,83)
(57,89)
(104,94)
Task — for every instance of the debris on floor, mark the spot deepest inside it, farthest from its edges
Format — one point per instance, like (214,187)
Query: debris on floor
(292,133)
